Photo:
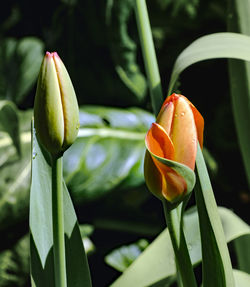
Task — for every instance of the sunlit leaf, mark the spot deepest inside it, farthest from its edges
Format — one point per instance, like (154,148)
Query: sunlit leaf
(157,261)
(122,257)
(242,279)
(41,233)
(110,144)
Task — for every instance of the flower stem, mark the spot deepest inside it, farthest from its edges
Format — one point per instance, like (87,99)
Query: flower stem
(58,223)
(149,56)
(173,218)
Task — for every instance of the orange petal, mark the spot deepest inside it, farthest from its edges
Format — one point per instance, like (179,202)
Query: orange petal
(199,122)
(173,185)
(184,133)
(165,117)
(159,143)
(153,176)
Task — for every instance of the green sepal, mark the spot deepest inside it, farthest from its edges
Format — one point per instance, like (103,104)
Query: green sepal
(182,170)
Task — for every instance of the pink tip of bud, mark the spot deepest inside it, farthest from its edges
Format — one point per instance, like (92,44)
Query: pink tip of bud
(55,55)
(48,54)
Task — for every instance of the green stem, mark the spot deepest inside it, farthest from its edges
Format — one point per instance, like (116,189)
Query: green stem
(149,56)
(173,218)
(58,223)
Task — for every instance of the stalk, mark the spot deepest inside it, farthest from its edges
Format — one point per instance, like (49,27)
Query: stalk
(58,223)
(149,55)
(184,267)
(173,216)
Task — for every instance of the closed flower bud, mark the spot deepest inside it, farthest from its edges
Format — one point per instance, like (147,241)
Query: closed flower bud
(173,137)
(56,112)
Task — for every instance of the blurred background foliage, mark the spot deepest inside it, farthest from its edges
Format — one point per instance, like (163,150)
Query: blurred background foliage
(98,42)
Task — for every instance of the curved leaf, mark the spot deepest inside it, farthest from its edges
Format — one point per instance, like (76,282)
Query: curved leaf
(158,262)
(218,45)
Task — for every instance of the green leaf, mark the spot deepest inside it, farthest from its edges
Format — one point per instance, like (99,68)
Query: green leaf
(105,135)
(218,45)
(122,257)
(239,75)
(14,180)
(123,49)
(14,264)
(242,279)
(216,261)
(9,122)
(242,251)
(20,64)
(109,150)
(157,261)
(41,237)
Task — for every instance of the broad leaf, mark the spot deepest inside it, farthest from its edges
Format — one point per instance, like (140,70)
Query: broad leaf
(20,64)
(41,233)
(110,144)
(157,261)
(109,151)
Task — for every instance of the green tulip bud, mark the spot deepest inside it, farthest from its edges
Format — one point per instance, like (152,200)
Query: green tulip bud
(56,112)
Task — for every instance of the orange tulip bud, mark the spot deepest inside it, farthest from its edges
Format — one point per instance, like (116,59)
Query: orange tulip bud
(173,137)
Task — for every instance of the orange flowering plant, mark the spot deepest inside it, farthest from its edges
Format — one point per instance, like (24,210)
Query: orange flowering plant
(171,149)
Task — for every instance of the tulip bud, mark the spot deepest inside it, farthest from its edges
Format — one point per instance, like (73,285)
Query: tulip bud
(56,113)
(173,137)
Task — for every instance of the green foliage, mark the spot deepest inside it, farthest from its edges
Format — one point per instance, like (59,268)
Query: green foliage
(9,122)
(239,74)
(123,256)
(160,254)
(20,64)
(99,43)
(41,232)
(108,153)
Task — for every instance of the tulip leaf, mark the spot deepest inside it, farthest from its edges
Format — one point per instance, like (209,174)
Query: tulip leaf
(239,75)
(216,262)
(218,45)
(157,260)
(41,233)
(181,169)
(20,64)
